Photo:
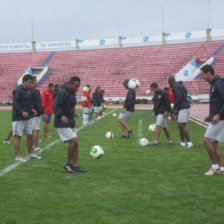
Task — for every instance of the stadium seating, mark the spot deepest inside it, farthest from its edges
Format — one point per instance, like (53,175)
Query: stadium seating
(109,67)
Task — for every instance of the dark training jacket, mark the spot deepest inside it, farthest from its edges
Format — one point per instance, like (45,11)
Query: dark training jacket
(216,98)
(129,102)
(64,104)
(37,103)
(161,102)
(97,99)
(22,102)
(180,97)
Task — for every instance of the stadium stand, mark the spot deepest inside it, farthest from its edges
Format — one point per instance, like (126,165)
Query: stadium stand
(109,67)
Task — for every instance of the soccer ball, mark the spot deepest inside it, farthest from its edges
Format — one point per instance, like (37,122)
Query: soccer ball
(86,89)
(83,99)
(114,115)
(152,127)
(147,92)
(172,105)
(133,84)
(105,106)
(97,152)
(143,142)
(109,135)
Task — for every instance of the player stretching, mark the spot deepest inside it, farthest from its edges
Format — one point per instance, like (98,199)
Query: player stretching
(182,108)
(161,109)
(64,108)
(128,109)
(86,105)
(215,131)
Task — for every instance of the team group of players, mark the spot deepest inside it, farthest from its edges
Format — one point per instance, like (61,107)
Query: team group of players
(28,108)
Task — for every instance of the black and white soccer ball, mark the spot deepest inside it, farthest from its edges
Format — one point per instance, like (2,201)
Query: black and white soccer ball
(133,84)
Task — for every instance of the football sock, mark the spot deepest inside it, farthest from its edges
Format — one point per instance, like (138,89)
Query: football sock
(215,166)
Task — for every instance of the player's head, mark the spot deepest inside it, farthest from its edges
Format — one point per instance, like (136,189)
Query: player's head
(74,83)
(57,87)
(125,83)
(27,80)
(154,87)
(34,82)
(98,88)
(171,80)
(166,89)
(51,87)
(207,72)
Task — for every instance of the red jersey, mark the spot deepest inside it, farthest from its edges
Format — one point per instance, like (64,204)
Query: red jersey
(88,102)
(47,101)
(171,96)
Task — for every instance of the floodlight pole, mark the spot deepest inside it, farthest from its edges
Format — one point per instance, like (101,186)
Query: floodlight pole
(163,33)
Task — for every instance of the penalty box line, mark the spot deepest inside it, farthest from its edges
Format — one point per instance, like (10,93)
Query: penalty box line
(16,164)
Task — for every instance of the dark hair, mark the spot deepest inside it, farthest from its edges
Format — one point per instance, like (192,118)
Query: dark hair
(50,85)
(27,77)
(154,85)
(172,79)
(88,86)
(166,88)
(56,85)
(97,88)
(74,79)
(34,78)
(208,68)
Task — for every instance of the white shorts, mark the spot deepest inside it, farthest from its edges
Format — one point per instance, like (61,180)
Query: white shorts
(183,116)
(97,109)
(87,110)
(215,131)
(22,127)
(35,123)
(161,121)
(66,134)
(125,116)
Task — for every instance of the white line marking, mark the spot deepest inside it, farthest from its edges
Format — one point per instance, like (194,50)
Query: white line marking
(139,130)
(14,165)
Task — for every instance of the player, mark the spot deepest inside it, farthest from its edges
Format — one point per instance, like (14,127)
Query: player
(57,88)
(47,102)
(96,100)
(35,121)
(64,107)
(128,109)
(161,109)
(87,105)
(215,131)
(182,109)
(22,111)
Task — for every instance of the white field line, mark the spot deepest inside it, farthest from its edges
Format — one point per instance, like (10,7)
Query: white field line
(139,130)
(14,165)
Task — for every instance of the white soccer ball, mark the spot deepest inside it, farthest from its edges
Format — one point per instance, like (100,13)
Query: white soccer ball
(114,115)
(133,84)
(86,89)
(152,127)
(147,92)
(97,152)
(143,142)
(83,99)
(109,135)
(172,105)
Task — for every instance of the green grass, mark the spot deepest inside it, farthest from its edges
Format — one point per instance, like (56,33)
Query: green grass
(131,184)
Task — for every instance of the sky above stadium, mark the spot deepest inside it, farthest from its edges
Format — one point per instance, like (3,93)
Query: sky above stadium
(93,19)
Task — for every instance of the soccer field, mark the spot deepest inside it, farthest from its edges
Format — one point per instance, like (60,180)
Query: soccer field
(129,185)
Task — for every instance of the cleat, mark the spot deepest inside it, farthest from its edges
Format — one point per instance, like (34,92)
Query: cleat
(38,150)
(68,167)
(78,169)
(152,143)
(190,145)
(124,136)
(6,142)
(130,133)
(183,144)
(170,141)
(20,159)
(212,172)
(34,157)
